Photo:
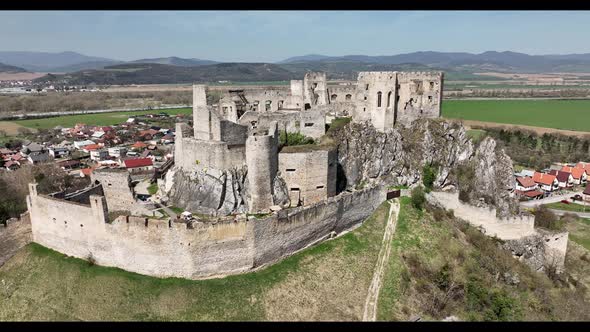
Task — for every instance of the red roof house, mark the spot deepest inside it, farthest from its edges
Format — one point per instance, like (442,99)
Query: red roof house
(138,162)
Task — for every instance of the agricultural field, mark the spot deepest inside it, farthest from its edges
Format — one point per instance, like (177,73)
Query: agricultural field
(98,119)
(558,114)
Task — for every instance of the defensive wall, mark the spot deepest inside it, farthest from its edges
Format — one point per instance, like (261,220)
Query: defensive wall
(536,247)
(164,248)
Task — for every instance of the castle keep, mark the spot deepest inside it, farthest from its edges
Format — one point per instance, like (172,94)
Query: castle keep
(231,164)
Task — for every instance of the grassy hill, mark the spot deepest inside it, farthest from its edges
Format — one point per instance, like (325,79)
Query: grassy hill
(439,266)
(10,69)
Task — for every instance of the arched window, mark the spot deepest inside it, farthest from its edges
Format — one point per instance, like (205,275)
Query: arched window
(333,97)
(389,99)
(268,103)
(379,99)
(348,97)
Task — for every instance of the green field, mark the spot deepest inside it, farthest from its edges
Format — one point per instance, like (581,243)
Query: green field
(99,119)
(559,114)
(568,207)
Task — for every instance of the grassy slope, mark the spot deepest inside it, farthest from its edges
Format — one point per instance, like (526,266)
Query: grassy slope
(568,207)
(580,232)
(417,282)
(100,119)
(326,282)
(560,114)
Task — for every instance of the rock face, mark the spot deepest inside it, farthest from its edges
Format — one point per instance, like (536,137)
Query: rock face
(398,155)
(215,192)
(492,182)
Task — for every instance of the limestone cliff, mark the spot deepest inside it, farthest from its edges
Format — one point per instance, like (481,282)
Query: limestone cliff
(398,155)
(215,192)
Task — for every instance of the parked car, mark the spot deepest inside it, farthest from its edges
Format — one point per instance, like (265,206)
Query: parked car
(576,198)
(565,201)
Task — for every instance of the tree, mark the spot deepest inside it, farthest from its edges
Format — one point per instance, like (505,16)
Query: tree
(428,177)
(547,219)
(418,198)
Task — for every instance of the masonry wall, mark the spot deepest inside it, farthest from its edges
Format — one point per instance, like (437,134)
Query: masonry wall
(307,175)
(314,89)
(262,162)
(198,154)
(276,97)
(164,249)
(14,235)
(116,186)
(420,95)
(201,113)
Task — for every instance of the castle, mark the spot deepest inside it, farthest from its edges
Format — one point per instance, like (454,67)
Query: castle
(294,189)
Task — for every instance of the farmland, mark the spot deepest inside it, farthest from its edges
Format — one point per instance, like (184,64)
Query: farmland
(555,113)
(98,119)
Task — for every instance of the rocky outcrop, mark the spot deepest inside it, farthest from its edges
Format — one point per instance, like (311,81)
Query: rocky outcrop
(215,192)
(492,182)
(398,155)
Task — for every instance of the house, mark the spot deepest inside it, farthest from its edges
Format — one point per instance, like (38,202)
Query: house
(38,157)
(31,147)
(139,146)
(4,151)
(91,147)
(99,154)
(526,187)
(117,151)
(585,166)
(526,172)
(579,174)
(149,134)
(98,134)
(69,164)
(12,165)
(546,182)
(525,183)
(564,179)
(81,144)
(58,152)
(167,139)
(130,120)
(138,165)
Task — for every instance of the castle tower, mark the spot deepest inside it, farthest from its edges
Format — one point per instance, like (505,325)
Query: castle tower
(262,161)
(376,98)
(201,113)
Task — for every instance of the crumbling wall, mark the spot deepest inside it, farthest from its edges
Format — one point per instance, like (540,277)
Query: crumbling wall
(164,248)
(420,95)
(307,174)
(14,235)
(200,155)
(376,94)
(116,186)
(314,90)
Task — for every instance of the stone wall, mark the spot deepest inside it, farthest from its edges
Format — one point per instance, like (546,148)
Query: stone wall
(262,162)
(168,249)
(310,175)
(198,154)
(14,235)
(536,247)
(116,186)
(420,96)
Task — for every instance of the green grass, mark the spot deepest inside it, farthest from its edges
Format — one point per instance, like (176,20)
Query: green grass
(153,189)
(568,207)
(476,134)
(176,209)
(99,119)
(328,281)
(559,114)
(579,232)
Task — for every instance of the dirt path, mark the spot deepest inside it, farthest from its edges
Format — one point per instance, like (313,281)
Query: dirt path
(370,313)
(469,124)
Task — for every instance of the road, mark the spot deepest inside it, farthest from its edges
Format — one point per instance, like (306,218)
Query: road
(370,313)
(552,199)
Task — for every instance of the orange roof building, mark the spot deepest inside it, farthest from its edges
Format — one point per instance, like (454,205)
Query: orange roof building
(577,172)
(542,178)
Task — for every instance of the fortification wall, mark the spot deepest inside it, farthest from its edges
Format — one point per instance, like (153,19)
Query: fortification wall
(262,162)
(198,155)
(276,96)
(314,89)
(14,235)
(164,249)
(420,95)
(116,186)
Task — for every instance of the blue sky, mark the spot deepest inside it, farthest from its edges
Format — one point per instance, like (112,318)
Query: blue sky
(268,36)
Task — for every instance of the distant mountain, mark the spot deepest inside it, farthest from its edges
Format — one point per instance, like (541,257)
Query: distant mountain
(491,60)
(10,69)
(176,61)
(44,61)
(152,73)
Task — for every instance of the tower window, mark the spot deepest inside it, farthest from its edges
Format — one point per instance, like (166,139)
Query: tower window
(389,99)
(348,97)
(379,99)
(366,87)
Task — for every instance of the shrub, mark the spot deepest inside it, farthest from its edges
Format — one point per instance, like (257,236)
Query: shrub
(545,218)
(418,198)
(428,177)
(290,139)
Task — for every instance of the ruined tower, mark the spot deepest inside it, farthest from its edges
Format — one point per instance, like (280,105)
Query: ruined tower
(314,90)
(201,113)
(262,161)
